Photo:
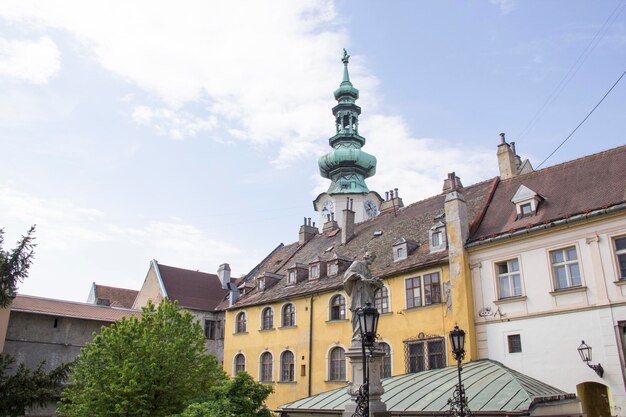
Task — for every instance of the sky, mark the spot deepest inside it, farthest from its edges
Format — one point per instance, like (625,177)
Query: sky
(189,131)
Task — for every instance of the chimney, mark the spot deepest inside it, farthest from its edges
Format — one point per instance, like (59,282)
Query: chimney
(307,231)
(457,224)
(452,183)
(347,223)
(223,272)
(392,202)
(506,159)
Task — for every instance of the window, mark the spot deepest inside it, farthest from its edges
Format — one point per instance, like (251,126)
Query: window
(381,300)
(267,321)
(400,253)
(211,331)
(241,323)
(292,277)
(565,270)
(425,354)
(267,362)
(515,343)
(289,315)
(435,239)
(430,293)
(509,279)
(526,210)
(287,367)
(314,272)
(240,363)
(333,269)
(386,360)
(338,308)
(620,252)
(337,365)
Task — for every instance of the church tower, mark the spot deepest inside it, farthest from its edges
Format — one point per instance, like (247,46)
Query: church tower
(347,166)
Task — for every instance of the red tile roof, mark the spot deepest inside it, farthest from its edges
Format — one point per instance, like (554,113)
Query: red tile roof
(192,289)
(61,308)
(118,297)
(575,187)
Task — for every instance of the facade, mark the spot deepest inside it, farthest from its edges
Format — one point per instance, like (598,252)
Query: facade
(199,293)
(288,323)
(548,267)
(54,330)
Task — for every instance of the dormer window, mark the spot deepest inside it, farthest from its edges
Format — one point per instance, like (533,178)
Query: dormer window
(292,277)
(402,248)
(314,272)
(437,237)
(297,273)
(333,269)
(526,202)
(261,283)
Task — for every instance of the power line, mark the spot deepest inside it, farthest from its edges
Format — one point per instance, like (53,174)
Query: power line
(584,120)
(574,68)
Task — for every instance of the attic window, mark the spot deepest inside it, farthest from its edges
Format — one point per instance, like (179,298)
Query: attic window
(261,284)
(328,249)
(402,248)
(400,254)
(292,277)
(437,237)
(526,202)
(378,233)
(333,269)
(314,271)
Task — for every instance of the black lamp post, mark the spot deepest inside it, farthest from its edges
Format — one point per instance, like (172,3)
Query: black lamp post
(458,402)
(584,350)
(368,323)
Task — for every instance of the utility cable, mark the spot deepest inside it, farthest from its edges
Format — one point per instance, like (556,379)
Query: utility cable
(584,120)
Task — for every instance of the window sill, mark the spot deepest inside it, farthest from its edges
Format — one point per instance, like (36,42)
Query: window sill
(620,282)
(510,300)
(386,313)
(267,382)
(286,382)
(569,290)
(239,333)
(267,330)
(329,381)
(287,327)
(337,321)
(421,307)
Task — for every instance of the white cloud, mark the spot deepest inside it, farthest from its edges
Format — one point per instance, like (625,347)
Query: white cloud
(34,61)
(506,6)
(175,124)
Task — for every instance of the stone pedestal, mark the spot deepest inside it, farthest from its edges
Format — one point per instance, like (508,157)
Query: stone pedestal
(377,407)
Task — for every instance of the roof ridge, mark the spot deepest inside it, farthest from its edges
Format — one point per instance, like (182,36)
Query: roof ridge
(566,164)
(117,288)
(74,302)
(186,269)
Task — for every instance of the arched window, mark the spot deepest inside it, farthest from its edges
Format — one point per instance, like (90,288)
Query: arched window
(241,322)
(267,362)
(289,315)
(287,367)
(240,363)
(381,300)
(267,318)
(338,308)
(386,360)
(337,365)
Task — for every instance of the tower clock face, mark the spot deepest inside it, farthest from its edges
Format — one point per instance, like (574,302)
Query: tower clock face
(327,209)
(370,208)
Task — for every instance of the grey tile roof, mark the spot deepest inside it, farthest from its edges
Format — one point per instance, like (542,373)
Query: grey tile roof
(491,388)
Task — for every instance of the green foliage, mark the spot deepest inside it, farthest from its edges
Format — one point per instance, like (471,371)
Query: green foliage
(148,367)
(14,266)
(25,388)
(239,397)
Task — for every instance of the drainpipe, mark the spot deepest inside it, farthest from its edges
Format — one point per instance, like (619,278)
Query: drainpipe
(310,342)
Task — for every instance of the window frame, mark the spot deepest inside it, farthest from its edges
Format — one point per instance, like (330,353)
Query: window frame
(387,360)
(337,311)
(291,370)
(291,322)
(511,346)
(334,374)
(621,274)
(330,266)
(211,329)
(235,364)
(431,289)
(241,322)
(382,299)
(314,268)
(565,264)
(425,357)
(291,277)
(509,274)
(271,318)
(263,367)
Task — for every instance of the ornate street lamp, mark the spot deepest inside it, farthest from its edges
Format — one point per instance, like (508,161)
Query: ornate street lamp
(458,402)
(368,324)
(584,350)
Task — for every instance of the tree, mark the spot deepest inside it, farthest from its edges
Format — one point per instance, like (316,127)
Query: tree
(148,367)
(26,388)
(239,397)
(14,266)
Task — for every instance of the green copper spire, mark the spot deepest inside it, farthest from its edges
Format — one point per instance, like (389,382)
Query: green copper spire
(347,166)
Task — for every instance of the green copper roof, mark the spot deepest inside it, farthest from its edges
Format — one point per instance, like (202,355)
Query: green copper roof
(347,166)
(490,387)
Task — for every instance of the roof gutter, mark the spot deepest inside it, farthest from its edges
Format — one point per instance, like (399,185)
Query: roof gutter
(158,274)
(573,219)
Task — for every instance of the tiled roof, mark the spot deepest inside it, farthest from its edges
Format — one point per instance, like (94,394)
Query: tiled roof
(412,222)
(192,289)
(61,308)
(575,187)
(491,388)
(118,297)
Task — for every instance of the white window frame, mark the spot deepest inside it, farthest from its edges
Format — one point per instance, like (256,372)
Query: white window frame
(315,267)
(245,362)
(566,263)
(261,367)
(391,354)
(497,274)
(423,291)
(389,309)
(273,318)
(328,358)
(616,255)
(330,307)
(245,315)
(440,229)
(280,366)
(292,277)
(282,315)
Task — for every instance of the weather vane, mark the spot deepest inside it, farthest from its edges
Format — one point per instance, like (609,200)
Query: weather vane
(346,57)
